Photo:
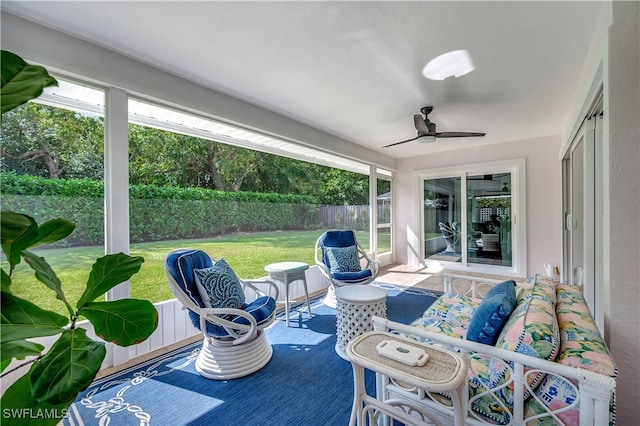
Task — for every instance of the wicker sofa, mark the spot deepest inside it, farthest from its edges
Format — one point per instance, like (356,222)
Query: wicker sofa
(548,366)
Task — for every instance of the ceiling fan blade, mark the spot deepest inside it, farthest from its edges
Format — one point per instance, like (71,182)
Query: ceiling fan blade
(421,125)
(458,134)
(408,140)
(427,129)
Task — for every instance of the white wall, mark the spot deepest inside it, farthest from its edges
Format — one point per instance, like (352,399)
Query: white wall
(543,178)
(622,319)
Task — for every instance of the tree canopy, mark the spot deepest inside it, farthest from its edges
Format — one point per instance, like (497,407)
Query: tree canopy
(51,142)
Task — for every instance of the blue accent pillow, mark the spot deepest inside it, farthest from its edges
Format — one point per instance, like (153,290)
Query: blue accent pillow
(219,286)
(343,259)
(492,314)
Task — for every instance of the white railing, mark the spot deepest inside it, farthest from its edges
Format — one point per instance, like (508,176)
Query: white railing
(468,285)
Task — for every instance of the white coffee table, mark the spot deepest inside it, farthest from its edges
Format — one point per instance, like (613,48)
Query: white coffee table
(286,273)
(356,305)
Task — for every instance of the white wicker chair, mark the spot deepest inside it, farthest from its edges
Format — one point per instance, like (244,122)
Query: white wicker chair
(234,344)
(368,268)
(451,234)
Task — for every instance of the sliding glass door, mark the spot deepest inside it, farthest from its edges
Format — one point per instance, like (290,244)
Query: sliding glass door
(442,219)
(582,205)
(489,218)
(469,216)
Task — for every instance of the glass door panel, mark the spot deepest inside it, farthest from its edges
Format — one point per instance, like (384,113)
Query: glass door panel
(442,219)
(383,215)
(575,222)
(489,220)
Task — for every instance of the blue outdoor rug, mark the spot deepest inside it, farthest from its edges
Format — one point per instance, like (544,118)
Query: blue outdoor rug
(306,383)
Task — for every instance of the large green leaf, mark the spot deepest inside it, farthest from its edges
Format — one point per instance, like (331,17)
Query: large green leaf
(53,230)
(19,349)
(124,322)
(108,272)
(21,82)
(20,408)
(22,319)
(6,281)
(69,367)
(17,236)
(13,225)
(45,274)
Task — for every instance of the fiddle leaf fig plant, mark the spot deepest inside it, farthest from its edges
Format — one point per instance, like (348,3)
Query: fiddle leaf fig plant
(54,376)
(21,81)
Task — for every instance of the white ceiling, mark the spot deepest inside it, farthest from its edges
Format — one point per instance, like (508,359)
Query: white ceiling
(354,68)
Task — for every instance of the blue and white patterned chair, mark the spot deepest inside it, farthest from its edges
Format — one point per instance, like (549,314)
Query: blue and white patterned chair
(342,261)
(234,343)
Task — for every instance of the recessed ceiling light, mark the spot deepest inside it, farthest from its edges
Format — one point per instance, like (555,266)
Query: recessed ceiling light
(451,64)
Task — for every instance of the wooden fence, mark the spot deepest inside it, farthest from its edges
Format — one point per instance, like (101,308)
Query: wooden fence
(351,217)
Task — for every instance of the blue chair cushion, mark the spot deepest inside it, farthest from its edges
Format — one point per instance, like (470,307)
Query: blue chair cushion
(339,239)
(181,265)
(219,286)
(492,313)
(343,259)
(336,239)
(352,277)
(261,309)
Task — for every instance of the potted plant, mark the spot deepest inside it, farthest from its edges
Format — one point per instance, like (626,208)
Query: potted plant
(53,377)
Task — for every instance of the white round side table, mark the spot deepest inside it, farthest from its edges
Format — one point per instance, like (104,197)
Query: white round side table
(286,273)
(356,305)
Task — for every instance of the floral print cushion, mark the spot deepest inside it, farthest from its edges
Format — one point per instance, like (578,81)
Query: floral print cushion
(554,393)
(581,347)
(450,315)
(531,330)
(573,314)
(538,286)
(523,290)
(551,322)
(492,406)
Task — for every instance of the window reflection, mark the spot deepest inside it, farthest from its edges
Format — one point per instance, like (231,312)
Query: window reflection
(487,237)
(489,217)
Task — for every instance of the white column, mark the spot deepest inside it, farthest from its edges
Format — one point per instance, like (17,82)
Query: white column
(373,210)
(116,200)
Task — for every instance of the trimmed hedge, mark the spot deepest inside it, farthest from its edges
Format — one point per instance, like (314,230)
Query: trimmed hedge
(36,185)
(157,213)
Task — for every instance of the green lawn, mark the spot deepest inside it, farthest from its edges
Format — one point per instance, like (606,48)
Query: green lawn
(246,253)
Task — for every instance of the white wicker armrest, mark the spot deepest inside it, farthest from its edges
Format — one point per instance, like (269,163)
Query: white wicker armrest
(240,332)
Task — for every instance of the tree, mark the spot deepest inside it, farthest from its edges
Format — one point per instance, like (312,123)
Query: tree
(52,142)
(344,187)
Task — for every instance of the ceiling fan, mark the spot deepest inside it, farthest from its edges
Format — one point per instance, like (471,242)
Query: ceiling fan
(427,129)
